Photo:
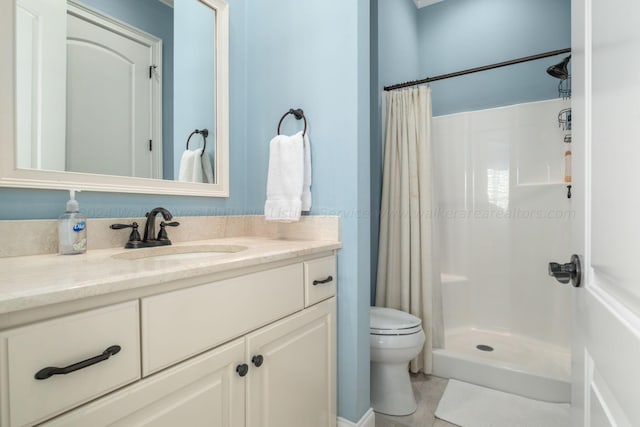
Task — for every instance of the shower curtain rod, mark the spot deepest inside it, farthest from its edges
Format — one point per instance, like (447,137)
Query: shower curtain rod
(475,70)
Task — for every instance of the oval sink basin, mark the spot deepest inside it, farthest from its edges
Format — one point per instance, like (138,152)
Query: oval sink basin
(179,253)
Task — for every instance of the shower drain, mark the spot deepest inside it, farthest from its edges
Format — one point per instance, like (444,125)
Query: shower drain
(483,347)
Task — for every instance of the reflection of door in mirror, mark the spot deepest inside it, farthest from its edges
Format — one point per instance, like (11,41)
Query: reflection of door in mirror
(40,102)
(105,116)
(110,77)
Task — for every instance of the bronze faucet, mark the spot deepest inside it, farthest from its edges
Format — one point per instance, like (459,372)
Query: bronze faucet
(150,239)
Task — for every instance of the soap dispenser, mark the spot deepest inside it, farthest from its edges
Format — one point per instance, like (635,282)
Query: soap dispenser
(72,229)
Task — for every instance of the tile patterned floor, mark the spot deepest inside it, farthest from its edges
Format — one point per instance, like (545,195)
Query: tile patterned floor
(428,391)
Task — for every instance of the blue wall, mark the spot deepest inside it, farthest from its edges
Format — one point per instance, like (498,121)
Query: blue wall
(155,18)
(455,35)
(459,34)
(297,59)
(398,41)
(194,66)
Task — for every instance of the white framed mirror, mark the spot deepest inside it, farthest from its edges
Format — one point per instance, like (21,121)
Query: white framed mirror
(87,100)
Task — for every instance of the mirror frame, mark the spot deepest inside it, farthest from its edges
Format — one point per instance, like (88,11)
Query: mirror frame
(11,176)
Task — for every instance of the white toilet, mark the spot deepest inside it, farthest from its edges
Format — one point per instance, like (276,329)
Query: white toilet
(396,337)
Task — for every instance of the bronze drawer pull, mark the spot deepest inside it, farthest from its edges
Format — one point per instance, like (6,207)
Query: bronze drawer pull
(45,373)
(320,282)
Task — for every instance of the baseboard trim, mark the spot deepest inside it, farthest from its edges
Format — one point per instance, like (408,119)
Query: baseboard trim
(367,420)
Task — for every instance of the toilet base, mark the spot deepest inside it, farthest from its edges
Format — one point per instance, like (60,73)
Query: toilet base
(391,391)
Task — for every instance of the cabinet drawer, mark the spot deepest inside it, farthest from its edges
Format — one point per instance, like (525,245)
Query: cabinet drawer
(180,324)
(203,391)
(320,279)
(60,343)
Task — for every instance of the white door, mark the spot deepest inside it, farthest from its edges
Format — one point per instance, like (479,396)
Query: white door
(293,383)
(606,147)
(109,100)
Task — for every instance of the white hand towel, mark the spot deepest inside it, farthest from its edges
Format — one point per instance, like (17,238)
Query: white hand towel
(207,169)
(194,167)
(306,183)
(185,173)
(284,182)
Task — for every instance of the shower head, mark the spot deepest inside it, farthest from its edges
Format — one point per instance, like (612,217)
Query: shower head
(559,71)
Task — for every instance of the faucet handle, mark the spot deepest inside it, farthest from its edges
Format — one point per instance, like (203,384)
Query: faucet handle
(134,236)
(162,234)
(169,224)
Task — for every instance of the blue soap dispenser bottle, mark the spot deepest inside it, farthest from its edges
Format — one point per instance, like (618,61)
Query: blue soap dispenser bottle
(72,229)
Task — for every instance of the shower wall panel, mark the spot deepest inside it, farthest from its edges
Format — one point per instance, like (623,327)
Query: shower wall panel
(503,214)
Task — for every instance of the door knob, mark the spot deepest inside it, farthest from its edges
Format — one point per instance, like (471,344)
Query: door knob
(569,272)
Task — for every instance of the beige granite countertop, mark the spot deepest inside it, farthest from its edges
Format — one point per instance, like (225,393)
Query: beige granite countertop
(38,280)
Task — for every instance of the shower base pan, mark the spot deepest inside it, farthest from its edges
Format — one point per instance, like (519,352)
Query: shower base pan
(507,362)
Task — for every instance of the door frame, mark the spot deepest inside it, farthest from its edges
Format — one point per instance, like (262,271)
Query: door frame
(117,26)
(580,105)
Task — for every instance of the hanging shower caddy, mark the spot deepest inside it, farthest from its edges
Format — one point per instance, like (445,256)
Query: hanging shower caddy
(564,88)
(564,119)
(564,122)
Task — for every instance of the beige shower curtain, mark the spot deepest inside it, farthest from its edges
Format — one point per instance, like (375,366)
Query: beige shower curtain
(408,273)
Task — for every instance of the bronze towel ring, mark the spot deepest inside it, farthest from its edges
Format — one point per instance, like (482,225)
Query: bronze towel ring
(205,134)
(298,114)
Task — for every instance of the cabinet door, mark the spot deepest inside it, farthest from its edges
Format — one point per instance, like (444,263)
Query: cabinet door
(203,392)
(295,384)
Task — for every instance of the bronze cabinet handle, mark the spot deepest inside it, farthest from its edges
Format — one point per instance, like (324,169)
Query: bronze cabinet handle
(48,372)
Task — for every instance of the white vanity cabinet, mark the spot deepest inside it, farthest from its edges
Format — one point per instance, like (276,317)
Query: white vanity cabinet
(243,351)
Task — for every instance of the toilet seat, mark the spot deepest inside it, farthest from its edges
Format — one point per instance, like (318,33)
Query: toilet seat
(388,321)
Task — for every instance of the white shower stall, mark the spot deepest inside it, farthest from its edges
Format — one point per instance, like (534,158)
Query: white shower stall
(502,214)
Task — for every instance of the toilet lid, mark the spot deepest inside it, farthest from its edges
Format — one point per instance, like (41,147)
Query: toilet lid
(388,321)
